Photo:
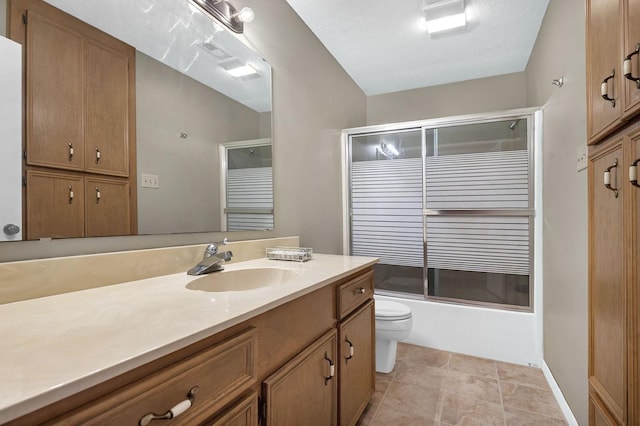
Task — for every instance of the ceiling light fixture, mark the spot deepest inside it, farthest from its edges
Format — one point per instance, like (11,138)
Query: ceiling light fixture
(242,71)
(224,12)
(444,17)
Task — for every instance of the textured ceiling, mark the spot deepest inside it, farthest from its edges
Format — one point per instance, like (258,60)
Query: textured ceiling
(384,46)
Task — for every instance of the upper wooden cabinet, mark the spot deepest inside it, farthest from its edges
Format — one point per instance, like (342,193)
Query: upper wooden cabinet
(79,91)
(611,97)
(631,46)
(79,116)
(107,111)
(54,86)
(603,66)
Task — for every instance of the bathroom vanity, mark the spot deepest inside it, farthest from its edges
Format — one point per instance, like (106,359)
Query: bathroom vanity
(296,348)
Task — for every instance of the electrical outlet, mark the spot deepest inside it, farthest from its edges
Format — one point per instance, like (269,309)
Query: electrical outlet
(581,157)
(150,181)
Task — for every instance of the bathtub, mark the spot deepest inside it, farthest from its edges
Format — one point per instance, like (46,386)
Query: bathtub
(508,336)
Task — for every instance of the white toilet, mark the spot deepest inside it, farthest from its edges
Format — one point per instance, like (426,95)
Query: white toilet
(393,323)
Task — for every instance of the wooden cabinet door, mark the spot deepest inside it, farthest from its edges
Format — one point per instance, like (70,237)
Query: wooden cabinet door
(631,43)
(607,282)
(55,89)
(598,415)
(633,246)
(107,110)
(304,391)
(107,208)
(357,363)
(55,205)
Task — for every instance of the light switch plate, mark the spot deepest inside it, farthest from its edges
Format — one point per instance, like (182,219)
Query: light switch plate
(150,181)
(581,158)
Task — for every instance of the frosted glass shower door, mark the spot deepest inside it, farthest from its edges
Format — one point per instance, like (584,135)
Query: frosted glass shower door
(479,212)
(386,208)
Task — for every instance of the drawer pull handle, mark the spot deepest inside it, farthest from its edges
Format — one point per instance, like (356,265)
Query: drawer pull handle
(360,290)
(604,88)
(174,412)
(628,68)
(633,173)
(70,151)
(332,369)
(351,349)
(70,194)
(98,155)
(607,177)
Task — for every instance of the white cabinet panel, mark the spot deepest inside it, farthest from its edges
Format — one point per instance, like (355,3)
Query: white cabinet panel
(10,139)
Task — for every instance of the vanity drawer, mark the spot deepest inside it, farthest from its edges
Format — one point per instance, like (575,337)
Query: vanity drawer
(242,413)
(354,293)
(220,373)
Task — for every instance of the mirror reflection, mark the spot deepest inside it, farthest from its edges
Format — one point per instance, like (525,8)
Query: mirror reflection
(172,116)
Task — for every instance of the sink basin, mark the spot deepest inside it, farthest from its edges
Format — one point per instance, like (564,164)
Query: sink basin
(242,279)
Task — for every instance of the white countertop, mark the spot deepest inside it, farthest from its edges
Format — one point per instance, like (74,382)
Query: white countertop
(56,346)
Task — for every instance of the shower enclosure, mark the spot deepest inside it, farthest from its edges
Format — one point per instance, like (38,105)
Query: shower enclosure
(447,205)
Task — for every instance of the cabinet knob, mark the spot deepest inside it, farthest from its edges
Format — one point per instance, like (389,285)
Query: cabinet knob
(360,290)
(174,411)
(607,177)
(627,66)
(633,173)
(604,88)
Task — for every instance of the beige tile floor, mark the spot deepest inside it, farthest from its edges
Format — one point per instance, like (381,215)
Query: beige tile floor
(432,387)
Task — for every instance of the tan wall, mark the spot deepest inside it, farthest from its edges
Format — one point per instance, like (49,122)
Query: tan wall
(560,51)
(313,100)
(466,97)
(3,17)
(167,103)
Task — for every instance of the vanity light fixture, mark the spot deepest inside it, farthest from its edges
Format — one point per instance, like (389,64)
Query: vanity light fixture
(225,13)
(444,17)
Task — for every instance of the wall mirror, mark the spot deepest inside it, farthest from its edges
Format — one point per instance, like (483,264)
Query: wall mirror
(187,106)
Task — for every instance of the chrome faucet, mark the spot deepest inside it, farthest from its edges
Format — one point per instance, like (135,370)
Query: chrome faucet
(212,260)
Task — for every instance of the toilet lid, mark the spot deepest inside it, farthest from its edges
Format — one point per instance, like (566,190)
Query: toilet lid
(391,311)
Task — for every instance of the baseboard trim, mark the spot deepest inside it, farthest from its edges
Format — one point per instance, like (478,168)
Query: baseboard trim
(557,393)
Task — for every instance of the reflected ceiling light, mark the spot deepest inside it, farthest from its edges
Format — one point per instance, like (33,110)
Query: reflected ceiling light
(388,150)
(444,17)
(225,13)
(242,71)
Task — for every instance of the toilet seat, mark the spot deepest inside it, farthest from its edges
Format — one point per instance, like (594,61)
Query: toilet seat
(391,311)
